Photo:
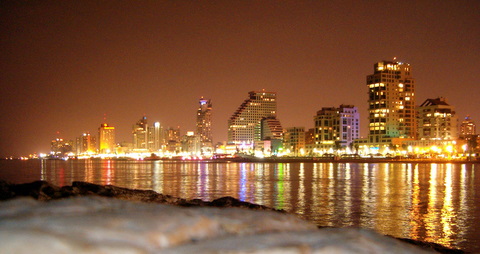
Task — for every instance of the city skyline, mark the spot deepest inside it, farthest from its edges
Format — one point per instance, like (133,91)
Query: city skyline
(65,65)
(333,127)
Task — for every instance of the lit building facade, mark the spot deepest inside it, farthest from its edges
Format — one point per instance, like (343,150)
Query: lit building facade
(242,124)
(155,137)
(204,123)
(391,99)
(268,137)
(294,141)
(106,139)
(437,120)
(269,128)
(191,144)
(86,144)
(173,140)
(140,134)
(60,147)
(467,127)
(310,141)
(147,138)
(336,127)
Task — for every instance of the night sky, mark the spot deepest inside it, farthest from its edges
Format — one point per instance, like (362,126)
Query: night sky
(64,64)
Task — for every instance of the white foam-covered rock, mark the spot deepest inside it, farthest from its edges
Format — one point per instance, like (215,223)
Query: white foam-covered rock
(103,225)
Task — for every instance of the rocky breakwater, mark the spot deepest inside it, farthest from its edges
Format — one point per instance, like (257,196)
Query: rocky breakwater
(88,218)
(44,191)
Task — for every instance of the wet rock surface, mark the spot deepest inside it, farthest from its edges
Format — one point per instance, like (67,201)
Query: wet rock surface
(90,218)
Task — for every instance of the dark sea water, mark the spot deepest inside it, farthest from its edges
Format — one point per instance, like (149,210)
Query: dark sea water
(429,202)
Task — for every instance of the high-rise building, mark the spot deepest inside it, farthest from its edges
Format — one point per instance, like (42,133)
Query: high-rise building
(140,134)
(241,125)
(148,138)
(437,120)
(86,144)
(173,139)
(391,98)
(467,127)
(155,137)
(336,127)
(106,139)
(191,143)
(204,122)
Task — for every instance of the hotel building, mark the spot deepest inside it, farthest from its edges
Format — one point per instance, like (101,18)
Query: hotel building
(242,124)
(106,139)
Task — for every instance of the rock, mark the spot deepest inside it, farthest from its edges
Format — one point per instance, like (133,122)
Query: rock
(233,202)
(104,225)
(5,192)
(334,240)
(40,190)
(45,191)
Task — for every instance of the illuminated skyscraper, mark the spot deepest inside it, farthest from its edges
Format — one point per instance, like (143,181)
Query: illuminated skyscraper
(437,120)
(106,139)
(204,122)
(155,137)
(147,138)
(241,125)
(391,98)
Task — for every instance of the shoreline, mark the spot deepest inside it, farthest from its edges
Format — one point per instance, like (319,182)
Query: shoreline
(274,160)
(348,160)
(45,191)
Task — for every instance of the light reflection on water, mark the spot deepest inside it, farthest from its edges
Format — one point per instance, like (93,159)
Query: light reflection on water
(430,202)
